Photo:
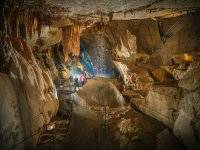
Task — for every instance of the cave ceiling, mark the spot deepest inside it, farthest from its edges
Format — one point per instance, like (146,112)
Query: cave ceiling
(90,11)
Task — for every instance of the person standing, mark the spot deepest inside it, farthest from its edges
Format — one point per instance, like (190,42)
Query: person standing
(76,84)
(82,79)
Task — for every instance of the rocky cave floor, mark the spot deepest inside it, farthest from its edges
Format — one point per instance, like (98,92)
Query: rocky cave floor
(124,128)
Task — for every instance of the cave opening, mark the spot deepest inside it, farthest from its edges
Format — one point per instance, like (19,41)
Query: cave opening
(100,75)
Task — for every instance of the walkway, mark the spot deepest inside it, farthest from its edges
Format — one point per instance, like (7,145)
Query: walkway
(83,133)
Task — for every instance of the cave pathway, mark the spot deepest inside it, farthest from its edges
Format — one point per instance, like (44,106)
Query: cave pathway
(83,133)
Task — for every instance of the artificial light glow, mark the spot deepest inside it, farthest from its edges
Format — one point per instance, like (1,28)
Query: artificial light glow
(51,126)
(187,57)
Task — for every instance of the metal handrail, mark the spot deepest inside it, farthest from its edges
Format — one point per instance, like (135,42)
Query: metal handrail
(35,132)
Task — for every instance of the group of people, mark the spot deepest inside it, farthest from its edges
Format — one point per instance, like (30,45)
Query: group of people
(78,81)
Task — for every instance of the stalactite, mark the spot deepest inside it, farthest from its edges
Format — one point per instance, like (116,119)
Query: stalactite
(30,26)
(110,15)
(64,41)
(8,24)
(71,40)
(100,26)
(2,23)
(18,21)
(17,26)
(23,31)
(35,24)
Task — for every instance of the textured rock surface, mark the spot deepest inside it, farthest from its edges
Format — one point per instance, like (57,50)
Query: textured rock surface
(163,139)
(187,126)
(127,39)
(161,75)
(162,103)
(185,40)
(130,9)
(102,92)
(28,101)
(5,53)
(135,78)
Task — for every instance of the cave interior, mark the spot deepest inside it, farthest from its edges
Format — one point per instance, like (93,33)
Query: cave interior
(100,75)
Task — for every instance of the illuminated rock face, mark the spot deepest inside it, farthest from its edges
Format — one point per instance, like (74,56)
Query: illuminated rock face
(102,92)
(184,41)
(187,125)
(71,40)
(28,101)
(134,77)
(143,61)
(162,103)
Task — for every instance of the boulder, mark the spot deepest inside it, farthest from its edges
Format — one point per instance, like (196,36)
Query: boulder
(184,130)
(160,75)
(135,78)
(127,126)
(191,79)
(185,58)
(182,58)
(162,103)
(163,139)
(187,126)
(101,92)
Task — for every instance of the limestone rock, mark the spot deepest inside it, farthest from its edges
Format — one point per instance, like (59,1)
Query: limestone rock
(101,92)
(178,74)
(185,132)
(176,71)
(163,139)
(134,77)
(170,68)
(161,75)
(52,67)
(128,126)
(131,94)
(10,119)
(145,42)
(5,52)
(162,103)
(187,42)
(31,100)
(191,79)
(185,58)
(186,127)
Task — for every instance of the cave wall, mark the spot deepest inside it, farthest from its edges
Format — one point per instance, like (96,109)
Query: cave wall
(185,40)
(187,125)
(162,103)
(166,71)
(28,99)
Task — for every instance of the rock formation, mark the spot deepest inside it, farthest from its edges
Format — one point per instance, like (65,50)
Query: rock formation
(28,100)
(151,46)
